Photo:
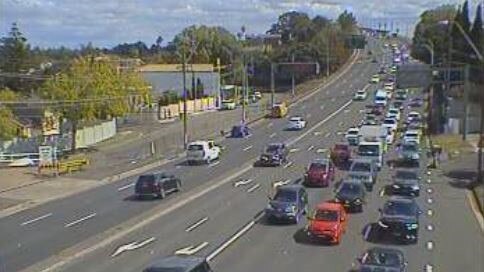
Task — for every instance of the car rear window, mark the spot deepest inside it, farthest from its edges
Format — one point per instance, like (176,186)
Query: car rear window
(272,148)
(361,167)
(286,196)
(146,179)
(406,175)
(195,147)
(326,215)
(317,166)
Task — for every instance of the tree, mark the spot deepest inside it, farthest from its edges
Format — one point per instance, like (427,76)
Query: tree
(93,89)
(477,33)
(8,126)
(292,25)
(460,46)
(429,30)
(347,22)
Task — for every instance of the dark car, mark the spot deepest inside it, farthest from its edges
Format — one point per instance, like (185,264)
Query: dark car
(179,264)
(289,203)
(405,183)
(340,153)
(399,219)
(379,259)
(364,170)
(156,185)
(416,102)
(398,105)
(401,95)
(240,131)
(409,154)
(351,194)
(275,154)
(319,173)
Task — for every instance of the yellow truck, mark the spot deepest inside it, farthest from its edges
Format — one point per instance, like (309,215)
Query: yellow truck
(279,110)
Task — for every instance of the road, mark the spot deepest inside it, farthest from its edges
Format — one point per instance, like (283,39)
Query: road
(211,209)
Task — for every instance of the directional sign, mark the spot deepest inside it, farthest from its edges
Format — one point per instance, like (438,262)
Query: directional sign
(46,154)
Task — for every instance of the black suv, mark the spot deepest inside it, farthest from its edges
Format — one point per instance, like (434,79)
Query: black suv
(179,264)
(351,194)
(156,185)
(275,154)
(399,219)
(405,183)
(382,259)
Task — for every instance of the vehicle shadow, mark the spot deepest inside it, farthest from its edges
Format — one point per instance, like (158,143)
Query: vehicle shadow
(462,179)
(372,234)
(301,237)
(264,221)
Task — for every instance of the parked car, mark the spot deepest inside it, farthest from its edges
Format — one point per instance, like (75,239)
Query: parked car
(327,223)
(289,203)
(296,123)
(351,194)
(405,183)
(275,154)
(179,264)
(381,259)
(240,131)
(340,153)
(157,184)
(360,95)
(352,136)
(399,219)
(409,154)
(202,152)
(364,170)
(319,173)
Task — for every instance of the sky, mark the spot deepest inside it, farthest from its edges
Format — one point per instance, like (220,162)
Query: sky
(105,23)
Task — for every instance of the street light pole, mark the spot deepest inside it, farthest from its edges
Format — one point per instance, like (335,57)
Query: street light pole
(292,78)
(185,134)
(273,87)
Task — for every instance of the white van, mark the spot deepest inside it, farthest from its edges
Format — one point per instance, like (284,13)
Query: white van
(202,152)
(381,97)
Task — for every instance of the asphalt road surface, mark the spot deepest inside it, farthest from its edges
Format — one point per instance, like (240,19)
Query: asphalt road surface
(213,207)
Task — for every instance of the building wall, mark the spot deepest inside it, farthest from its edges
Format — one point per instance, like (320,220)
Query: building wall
(173,81)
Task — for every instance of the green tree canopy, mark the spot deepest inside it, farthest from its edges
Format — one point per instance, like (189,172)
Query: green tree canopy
(8,126)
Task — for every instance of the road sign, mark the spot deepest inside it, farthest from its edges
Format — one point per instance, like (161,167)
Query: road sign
(46,154)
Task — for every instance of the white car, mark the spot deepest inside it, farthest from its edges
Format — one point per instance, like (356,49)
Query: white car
(296,123)
(202,152)
(360,95)
(389,86)
(390,123)
(411,136)
(353,136)
(413,115)
(393,113)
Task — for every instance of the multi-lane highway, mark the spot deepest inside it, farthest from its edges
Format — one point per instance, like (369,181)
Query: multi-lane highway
(105,229)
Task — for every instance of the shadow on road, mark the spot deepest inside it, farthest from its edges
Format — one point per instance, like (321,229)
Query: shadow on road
(301,237)
(462,179)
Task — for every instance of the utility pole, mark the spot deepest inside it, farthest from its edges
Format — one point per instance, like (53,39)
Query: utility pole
(244,90)
(466,102)
(185,132)
(327,57)
(293,84)
(273,87)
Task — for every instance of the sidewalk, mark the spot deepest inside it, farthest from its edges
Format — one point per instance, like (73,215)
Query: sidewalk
(129,153)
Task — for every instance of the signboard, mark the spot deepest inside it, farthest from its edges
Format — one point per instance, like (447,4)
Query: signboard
(46,154)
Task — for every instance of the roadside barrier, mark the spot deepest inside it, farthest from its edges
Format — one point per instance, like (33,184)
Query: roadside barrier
(64,167)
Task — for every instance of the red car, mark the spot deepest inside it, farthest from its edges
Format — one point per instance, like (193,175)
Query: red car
(341,153)
(319,173)
(327,223)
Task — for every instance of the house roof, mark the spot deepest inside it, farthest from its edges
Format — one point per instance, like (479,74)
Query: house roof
(176,68)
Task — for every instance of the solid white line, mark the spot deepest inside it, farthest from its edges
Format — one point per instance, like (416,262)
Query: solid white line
(197,224)
(236,236)
(289,164)
(125,187)
(80,220)
(367,232)
(247,148)
(36,219)
(253,188)
(311,148)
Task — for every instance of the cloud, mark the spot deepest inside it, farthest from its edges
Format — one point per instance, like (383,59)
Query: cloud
(109,22)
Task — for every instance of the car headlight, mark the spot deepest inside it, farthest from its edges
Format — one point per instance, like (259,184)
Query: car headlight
(291,209)
(337,200)
(358,201)
(396,186)
(269,207)
(415,187)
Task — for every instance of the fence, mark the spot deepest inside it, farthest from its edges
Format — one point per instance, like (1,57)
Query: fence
(197,105)
(89,136)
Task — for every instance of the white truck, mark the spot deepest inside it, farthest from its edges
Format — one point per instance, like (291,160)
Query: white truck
(202,152)
(381,98)
(373,143)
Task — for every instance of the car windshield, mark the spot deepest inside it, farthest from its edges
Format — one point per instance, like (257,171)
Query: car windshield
(317,166)
(405,175)
(409,148)
(353,132)
(411,135)
(295,119)
(326,215)
(389,122)
(380,258)
(405,208)
(361,167)
(360,92)
(286,196)
(368,150)
(380,98)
